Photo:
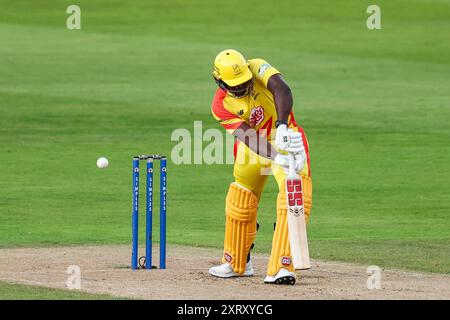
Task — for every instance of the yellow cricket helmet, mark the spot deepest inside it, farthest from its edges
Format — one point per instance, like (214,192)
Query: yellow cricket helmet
(232,73)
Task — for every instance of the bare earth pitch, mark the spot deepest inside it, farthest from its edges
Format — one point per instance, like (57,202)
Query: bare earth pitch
(105,269)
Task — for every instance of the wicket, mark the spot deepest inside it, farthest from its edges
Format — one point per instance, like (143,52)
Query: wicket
(149,212)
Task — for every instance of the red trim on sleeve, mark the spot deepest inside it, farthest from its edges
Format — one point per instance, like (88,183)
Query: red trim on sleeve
(232,126)
(217,106)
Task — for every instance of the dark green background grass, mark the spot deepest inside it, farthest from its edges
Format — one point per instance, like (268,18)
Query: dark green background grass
(375,106)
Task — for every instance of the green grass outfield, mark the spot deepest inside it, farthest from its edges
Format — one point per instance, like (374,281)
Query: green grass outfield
(375,106)
(26,292)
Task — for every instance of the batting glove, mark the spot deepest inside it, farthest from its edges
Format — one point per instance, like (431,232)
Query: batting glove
(288,140)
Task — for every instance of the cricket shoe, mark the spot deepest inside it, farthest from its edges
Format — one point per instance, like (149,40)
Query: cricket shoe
(226,271)
(282,277)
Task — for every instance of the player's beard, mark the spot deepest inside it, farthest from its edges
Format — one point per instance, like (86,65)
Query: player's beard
(241,90)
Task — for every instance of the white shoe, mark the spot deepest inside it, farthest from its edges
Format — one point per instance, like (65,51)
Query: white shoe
(282,277)
(226,271)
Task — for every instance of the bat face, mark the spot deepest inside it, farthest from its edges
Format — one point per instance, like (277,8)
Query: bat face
(297,224)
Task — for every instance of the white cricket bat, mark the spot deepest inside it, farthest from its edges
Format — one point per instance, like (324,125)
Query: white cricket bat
(296,218)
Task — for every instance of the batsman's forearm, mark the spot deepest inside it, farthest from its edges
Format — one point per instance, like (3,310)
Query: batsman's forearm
(282,96)
(283,103)
(263,148)
(255,142)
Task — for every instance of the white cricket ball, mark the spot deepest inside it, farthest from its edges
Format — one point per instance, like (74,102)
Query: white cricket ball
(102,162)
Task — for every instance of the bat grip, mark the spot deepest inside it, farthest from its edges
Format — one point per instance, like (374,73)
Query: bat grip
(292,173)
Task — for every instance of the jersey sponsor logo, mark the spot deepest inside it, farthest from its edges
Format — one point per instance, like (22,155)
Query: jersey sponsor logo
(286,261)
(241,112)
(256,116)
(263,69)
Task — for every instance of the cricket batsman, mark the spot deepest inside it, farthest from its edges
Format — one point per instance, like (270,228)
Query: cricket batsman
(254,103)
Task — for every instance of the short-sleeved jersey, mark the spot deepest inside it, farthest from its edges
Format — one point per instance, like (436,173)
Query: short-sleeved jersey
(257,109)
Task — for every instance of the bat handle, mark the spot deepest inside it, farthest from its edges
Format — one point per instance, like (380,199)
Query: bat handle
(292,173)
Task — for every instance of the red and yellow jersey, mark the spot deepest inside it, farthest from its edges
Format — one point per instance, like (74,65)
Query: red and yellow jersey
(257,109)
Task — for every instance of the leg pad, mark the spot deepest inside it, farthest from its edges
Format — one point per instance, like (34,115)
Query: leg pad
(240,229)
